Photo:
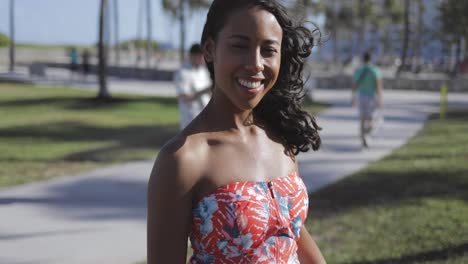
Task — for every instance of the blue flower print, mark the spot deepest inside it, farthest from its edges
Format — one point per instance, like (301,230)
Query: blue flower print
(246,241)
(284,206)
(297,224)
(205,211)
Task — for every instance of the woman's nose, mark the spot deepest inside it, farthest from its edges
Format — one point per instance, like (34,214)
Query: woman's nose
(254,61)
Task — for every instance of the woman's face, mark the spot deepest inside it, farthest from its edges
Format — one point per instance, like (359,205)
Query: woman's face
(246,56)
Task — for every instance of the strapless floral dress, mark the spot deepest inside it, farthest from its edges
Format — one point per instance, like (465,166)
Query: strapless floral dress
(250,222)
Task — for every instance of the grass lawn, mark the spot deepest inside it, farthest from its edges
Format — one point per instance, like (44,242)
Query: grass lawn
(47,132)
(411,207)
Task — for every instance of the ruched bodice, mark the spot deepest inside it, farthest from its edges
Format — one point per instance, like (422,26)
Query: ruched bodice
(250,222)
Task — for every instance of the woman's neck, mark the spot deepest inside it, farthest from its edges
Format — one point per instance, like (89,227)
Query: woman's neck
(222,113)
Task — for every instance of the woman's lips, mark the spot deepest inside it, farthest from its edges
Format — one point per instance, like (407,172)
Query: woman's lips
(251,87)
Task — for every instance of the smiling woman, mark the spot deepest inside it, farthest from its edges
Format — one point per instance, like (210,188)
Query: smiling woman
(246,57)
(229,180)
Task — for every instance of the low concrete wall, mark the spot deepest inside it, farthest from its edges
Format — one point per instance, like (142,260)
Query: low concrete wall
(124,72)
(344,82)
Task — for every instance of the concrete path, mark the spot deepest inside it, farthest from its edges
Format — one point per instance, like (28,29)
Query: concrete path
(100,217)
(341,154)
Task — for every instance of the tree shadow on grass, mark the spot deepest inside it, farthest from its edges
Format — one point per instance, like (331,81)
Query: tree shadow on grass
(121,139)
(138,138)
(373,188)
(397,178)
(433,255)
(84,103)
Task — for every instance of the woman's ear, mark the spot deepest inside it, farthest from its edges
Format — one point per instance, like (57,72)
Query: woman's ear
(208,50)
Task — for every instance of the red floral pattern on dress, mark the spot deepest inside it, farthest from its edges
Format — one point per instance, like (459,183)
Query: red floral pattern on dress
(250,222)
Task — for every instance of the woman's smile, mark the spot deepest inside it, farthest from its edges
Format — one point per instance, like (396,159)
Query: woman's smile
(251,87)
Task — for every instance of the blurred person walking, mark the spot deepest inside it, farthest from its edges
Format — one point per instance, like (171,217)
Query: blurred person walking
(367,92)
(74,57)
(193,85)
(85,63)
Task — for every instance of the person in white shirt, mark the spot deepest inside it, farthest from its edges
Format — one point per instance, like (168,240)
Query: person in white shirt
(193,85)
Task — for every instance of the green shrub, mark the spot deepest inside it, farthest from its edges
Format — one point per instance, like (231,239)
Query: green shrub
(138,43)
(4,40)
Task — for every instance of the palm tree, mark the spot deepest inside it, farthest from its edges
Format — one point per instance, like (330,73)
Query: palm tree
(334,28)
(102,50)
(303,8)
(116,32)
(178,10)
(182,30)
(392,14)
(405,37)
(309,9)
(12,35)
(454,26)
(420,28)
(347,24)
(140,22)
(365,13)
(339,16)
(149,28)
(330,10)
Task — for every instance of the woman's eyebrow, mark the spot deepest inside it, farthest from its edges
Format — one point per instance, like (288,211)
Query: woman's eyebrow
(237,36)
(272,41)
(243,37)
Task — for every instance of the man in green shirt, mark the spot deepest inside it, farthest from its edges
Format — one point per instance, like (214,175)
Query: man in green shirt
(367,95)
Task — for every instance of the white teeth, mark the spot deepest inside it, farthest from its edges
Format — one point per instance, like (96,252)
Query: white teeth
(251,85)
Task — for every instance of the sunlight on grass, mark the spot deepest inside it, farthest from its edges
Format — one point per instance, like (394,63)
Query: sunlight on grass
(411,207)
(49,131)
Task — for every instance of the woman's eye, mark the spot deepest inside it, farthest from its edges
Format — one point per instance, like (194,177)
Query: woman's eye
(270,51)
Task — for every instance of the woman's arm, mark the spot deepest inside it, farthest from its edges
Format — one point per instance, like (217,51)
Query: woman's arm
(169,211)
(307,250)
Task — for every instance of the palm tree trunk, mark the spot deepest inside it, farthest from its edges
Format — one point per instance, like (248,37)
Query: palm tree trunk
(182,30)
(405,38)
(116,32)
(140,22)
(386,41)
(102,49)
(418,44)
(334,30)
(149,48)
(12,36)
(457,57)
(362,28)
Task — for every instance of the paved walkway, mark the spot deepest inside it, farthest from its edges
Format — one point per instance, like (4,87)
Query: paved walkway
(99,217)
(341,154)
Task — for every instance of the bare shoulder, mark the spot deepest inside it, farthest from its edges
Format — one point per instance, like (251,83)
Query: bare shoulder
(180,163)
(176,171)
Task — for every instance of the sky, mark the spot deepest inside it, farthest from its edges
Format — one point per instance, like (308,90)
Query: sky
(75,22)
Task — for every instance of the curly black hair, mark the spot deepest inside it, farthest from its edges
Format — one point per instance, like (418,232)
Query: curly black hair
(280,109)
